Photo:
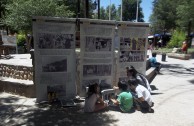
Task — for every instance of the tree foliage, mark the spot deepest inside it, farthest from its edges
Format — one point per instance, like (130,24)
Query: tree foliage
(129,10)
(19,13)
(177,38)
(171,14)
(185,14)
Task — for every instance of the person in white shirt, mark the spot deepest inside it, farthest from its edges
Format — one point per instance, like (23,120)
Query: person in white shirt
(143,100)
(93,102)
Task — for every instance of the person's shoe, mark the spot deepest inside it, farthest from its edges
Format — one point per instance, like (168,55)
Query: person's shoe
(150,110)
(152,104)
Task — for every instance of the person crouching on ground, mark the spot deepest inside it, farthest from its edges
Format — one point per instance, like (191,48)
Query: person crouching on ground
(133,73)
(143,101)
(125,99)
(93,102)
(154,62)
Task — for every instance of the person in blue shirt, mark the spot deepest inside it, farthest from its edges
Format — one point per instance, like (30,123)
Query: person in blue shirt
(154,62)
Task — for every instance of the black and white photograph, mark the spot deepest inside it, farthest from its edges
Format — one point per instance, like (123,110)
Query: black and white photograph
(132,56)
(55,41)
(54,64)
(97,44)
(45,41)
(125,43)
(134,44)
(56,88)
(105,84)
(141,44)
(97,70)
(86,83)
(63,41)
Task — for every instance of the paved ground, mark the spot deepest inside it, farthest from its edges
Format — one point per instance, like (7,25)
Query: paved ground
(173,105)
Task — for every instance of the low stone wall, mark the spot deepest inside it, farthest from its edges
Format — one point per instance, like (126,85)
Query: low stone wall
(27,90)
(179,56)
(16,72)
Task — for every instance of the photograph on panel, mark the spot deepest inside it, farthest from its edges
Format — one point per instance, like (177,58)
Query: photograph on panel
(86,83)
(134,44)
(105,84)
(125,43)
(96,44)
(97,70)
(45,41)
(63,41)
(141,44)
(57,91)
(54,64)
(132,56)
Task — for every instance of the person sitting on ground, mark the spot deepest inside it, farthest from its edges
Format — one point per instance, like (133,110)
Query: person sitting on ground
(93,102)
(154,62)
(125,99)
(142,80)
(143,100)
(184,47)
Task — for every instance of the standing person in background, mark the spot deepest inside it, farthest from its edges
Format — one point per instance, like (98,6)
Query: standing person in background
(184,47)
(154,62)
(93,102)
(132,73)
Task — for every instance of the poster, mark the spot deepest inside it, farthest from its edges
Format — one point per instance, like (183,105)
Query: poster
(97,53)
(132,38)
(55,59)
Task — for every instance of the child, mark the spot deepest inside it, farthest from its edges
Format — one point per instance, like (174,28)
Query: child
(154,62)
(143,100)
(125,99)
(93,102)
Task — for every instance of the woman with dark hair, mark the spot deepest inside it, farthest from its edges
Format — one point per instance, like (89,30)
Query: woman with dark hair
(93,102)
(133,73)
(125,99)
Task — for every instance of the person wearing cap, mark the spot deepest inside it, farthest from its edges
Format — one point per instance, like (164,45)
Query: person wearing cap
(132,73)
(125,99)
(143,101)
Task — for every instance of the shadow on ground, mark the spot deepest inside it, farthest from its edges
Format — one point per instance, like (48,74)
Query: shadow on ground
(50,115)
(177,70)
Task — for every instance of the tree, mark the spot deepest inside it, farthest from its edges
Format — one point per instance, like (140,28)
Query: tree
(185,14)
(19,13)
(103,14)
(130,9)
(170,14)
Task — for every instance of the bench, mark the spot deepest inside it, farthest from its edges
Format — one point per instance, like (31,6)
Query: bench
(150,71)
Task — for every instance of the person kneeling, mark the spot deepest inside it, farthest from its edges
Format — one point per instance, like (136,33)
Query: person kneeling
(93,102)
(125,99)
(142,100)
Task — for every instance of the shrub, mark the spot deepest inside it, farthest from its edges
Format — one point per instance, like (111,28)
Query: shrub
(177,38)
(21,40)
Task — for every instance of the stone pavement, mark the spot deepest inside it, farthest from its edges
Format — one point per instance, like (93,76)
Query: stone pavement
(173,97)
